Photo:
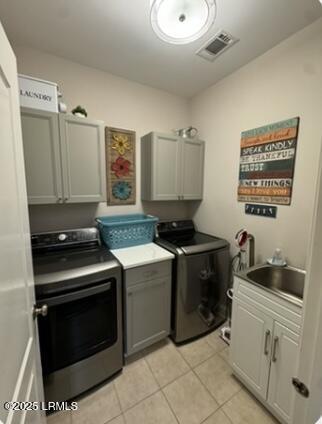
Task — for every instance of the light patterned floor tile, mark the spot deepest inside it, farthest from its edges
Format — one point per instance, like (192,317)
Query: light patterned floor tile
(64,417)
(196,352)
(218,417)
(118,420)
(217,376)
(225,354)
(166,362)
(135,383)
(98,407)
(138,392)
(244,409)
(153,410)
(189,399)
(215,341)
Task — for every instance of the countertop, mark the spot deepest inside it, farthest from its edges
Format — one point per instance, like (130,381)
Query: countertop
(144,254)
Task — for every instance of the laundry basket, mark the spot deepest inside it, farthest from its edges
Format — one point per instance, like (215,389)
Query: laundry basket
(126,230)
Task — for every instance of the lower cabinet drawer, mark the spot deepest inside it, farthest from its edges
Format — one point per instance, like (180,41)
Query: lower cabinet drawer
(148,307)
(147,272)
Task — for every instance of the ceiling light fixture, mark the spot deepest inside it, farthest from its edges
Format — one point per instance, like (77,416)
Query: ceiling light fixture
(182,21)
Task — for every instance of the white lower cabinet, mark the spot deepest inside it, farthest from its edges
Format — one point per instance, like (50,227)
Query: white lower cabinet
(264,350)
(281,394)
(148,313)
(252,334)
(147,305)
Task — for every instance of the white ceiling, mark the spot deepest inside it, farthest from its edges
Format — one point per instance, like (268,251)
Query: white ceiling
(116,36)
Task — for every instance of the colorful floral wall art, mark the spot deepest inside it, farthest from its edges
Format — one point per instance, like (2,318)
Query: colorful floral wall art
(120,166)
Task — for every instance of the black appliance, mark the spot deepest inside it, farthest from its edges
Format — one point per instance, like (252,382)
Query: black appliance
(200,278)
(78,287)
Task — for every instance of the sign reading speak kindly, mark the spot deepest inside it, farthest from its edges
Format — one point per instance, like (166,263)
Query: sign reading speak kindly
(267,159)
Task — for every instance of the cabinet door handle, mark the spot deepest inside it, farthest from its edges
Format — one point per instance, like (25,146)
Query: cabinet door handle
(274,359)
(267,336)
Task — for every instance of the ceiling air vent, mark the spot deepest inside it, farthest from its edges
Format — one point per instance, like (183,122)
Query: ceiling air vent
(217,45)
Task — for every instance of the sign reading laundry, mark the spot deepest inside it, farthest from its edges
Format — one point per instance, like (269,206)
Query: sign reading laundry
(120,166)
(267,159)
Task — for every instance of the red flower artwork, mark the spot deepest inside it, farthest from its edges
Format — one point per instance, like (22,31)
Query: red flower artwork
(121,167)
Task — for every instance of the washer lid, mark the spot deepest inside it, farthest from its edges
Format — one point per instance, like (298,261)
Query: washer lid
(196,242)
(205,247)
(72,264)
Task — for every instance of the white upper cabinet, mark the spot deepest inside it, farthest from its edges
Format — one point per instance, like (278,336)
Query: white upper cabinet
(82,143)
(193,153)
(64,158)
(40,132)
(166,167)
(172,167)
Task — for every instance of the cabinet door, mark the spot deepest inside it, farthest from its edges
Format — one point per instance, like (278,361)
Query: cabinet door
(285,350)
(40,133)
(83,161)
(166,167)
(192,168)
(250,346)
(147,313)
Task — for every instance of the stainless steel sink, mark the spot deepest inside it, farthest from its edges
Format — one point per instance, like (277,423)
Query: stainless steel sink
(287,282)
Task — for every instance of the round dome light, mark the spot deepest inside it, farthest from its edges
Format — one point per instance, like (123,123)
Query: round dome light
(182,21)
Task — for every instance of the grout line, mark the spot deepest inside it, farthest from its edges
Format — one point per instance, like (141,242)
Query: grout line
(219,405)
(118,398)
(197,365)
(203,361)
(142,400)
(145,397)
(137,403)
(151,370)
(228,418)
(163,394)
(212,397)
(174,414)
(230,398)
(171,382)
(114,418)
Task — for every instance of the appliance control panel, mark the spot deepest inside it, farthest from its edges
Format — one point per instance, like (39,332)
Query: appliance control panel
(67,237)
(181,225)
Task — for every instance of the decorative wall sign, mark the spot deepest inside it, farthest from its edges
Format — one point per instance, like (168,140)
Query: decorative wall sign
(267,159)
(267,211)
(120,166)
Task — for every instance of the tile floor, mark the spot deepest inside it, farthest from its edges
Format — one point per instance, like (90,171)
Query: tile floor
(166,384)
